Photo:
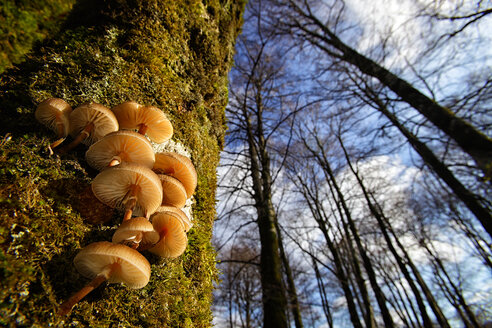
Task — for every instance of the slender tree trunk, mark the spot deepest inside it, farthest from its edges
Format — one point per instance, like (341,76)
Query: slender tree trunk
(455,293)
(317,212)
(388,321)
(401,303)
(469,199)
(385,227)
(368,310)
(472,141)
(291,287)
(322,293)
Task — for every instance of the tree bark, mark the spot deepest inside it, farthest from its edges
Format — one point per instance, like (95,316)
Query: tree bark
(174,55)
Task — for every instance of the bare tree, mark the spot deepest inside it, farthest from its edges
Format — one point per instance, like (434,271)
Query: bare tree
(302,20)
(259,87)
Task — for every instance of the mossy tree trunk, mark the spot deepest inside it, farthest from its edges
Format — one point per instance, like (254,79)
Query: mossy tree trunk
(171,54)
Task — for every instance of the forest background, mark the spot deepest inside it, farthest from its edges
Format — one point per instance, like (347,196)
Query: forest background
(355,182)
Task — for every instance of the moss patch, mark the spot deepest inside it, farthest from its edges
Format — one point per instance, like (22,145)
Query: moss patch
(23,23)
(171,54)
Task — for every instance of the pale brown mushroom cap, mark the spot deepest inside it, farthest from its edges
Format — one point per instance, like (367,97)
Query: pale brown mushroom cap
(178,213)
(102,117)
(173,192)
(53,112)
(126,146)
(131,115)
(127,114)
(112,186)
(129,229)
(173,238)
(177,166)
(133,269)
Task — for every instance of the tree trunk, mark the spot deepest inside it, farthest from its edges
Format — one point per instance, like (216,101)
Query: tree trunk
(316,210)
(274,300)
(322,293)
(472,141)
(388,321)
(385,226)
(174,55)
(469,199)
(291,286)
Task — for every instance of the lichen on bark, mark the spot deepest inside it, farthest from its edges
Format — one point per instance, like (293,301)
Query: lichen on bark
(171,54)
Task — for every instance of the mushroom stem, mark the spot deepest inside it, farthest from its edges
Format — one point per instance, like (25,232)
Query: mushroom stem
(67,306)
(82,135)
(130,202)
(115,161)
(60,128)
(142,128)
(55,144)
(129,205)
(134,241)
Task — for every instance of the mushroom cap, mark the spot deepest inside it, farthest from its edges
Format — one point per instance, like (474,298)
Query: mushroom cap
(102,117)
(112,185)
(173,192)
(127,146)
(177,166)
(131,114)
(173,238)
(133,270)
(131,228)
(52,112)
(178,213)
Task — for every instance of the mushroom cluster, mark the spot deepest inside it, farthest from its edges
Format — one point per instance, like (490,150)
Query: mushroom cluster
(150,188)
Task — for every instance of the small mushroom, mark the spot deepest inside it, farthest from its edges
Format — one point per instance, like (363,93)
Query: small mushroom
(131,187)
(177,166)
(148,120)
(173,192)
(173,239)
(54,113)
(120,146)
(103,261)
(178,213)
(136,232)
(89,123)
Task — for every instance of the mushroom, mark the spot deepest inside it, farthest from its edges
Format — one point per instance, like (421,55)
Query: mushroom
(54,113)
(173,192)
(173,240)
(131,187)
(178,213)
(89,123)
(136,231)
(120,146)
(103,261)
(177,166)
(148,120)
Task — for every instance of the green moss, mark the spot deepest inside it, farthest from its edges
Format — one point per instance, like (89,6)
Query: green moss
(22,23)
(171,54)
